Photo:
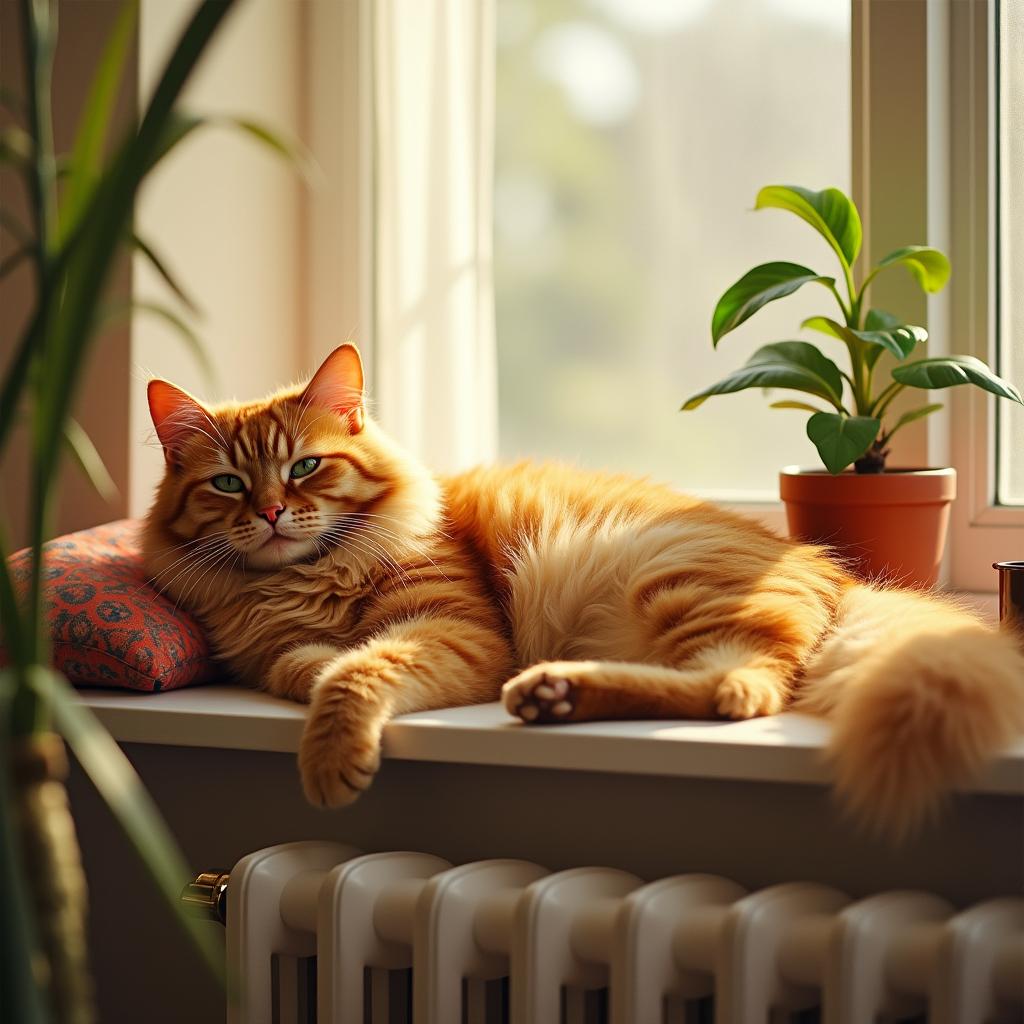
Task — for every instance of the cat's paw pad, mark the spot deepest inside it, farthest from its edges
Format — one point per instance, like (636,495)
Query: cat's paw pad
(336,769)
(538,695)
(746,693)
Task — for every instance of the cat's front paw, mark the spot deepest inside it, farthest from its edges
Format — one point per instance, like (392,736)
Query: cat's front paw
(339,753)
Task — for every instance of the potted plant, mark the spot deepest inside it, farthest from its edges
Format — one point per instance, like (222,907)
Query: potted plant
(887,521)
(73,239)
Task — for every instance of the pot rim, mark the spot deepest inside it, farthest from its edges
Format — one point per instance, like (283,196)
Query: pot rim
(1009,566)
(901,472)
(899,488)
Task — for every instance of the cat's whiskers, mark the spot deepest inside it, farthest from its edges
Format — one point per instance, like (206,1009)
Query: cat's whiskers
(217,560)
(413,543)
(189,570)
(364,543)
(203,544)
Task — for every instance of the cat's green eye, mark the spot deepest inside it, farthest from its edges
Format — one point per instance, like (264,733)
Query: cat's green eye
(304,467)
(229,483)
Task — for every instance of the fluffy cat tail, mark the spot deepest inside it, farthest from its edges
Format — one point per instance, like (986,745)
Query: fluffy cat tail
(920,693)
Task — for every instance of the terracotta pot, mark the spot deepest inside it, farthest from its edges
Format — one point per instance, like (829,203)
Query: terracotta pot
(890,524)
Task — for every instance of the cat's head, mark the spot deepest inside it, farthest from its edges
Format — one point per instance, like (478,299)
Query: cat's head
(289,479)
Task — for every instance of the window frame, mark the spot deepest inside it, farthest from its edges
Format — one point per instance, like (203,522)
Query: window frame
(981,530)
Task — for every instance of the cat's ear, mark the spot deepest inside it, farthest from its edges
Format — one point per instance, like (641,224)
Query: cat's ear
(177,416)
(338,386)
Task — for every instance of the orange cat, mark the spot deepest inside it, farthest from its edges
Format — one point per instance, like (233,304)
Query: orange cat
(330,567)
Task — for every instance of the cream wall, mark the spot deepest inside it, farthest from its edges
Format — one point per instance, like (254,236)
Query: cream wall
(228,216)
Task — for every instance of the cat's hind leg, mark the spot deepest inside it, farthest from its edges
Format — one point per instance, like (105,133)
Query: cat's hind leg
(727,681)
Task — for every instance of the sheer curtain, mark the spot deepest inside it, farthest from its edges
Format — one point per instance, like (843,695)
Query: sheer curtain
(434,349)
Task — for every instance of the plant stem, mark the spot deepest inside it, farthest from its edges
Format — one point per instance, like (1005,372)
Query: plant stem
(28,715)
(883,400)
(49,849)
(839,299)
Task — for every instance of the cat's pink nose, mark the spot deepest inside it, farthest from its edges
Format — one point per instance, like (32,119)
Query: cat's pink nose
(271,512)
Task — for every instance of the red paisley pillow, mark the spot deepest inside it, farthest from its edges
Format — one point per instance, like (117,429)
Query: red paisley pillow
(109,627)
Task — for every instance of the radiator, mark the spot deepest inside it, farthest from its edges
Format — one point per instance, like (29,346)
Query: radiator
(408,937)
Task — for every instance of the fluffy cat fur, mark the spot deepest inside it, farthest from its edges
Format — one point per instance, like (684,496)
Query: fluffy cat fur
(379,588)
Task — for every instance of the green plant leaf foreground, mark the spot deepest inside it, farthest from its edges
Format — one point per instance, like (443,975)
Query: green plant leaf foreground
(951,371)
(829,212)
(841,439)
(756,288)
(123,792)
(91,261)
(89,460)
(159,264)
(930,267)
(86,163)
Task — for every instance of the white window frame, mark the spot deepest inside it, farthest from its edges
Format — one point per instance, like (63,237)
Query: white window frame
(981,531)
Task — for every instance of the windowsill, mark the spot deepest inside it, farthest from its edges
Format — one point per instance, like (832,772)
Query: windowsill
(781,748)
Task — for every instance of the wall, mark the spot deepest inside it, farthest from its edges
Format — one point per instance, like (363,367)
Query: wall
(227,213)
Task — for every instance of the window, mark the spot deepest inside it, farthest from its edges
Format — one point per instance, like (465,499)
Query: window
(1010,418)
(632,137)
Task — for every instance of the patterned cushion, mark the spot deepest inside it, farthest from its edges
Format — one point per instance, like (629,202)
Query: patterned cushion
(109,626)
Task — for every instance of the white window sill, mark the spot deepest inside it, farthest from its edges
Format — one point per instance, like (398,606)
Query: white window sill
(782,748)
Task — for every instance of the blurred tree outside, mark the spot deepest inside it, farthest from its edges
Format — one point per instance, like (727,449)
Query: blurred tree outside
(632,137)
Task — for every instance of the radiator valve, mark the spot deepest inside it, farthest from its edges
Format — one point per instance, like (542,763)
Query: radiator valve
(206,896)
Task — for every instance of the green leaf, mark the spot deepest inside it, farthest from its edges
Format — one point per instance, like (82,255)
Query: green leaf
(121,789)
(89,460)
(899,338)
(291,149)
(914,414)
(807,357)
(86,162)
(780,373)
(825,325)
(755,289)
(15,146)
(181,125)
(804,406)
(950,371)
(929,266)
(119,311)
(189,336)
(841,439)
(830,212)
(900,341)
(879,320)
(158,264)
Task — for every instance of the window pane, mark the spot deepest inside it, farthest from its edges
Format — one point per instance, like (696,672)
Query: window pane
(632,138)
(1010,476)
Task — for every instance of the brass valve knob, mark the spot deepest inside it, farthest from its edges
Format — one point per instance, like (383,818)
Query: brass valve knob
(206,896)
